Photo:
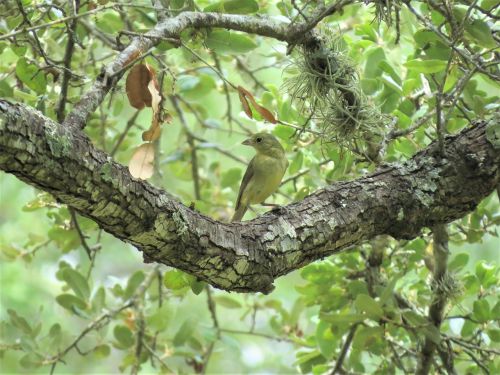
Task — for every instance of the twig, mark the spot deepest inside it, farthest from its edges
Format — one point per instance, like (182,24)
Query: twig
(435,315)
(68,55)
(229,115)
(213,313)
(81,235)
(242,66)
(265,335)
(130,123)
(56,22)
(208,65)
(192,146)
(343,352)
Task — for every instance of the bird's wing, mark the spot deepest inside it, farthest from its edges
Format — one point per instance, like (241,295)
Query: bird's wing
(246,178)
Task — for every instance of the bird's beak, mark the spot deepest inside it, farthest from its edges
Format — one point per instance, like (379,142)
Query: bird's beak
(247,142)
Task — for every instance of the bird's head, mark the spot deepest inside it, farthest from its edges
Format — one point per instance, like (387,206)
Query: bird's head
(265,143)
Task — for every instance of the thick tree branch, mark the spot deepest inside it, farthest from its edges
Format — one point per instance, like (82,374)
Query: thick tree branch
(398,200)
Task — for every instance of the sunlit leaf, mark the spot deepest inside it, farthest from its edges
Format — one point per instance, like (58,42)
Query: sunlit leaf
(141,164)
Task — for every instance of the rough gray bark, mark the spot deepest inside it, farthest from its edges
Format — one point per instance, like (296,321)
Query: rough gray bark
(397,200)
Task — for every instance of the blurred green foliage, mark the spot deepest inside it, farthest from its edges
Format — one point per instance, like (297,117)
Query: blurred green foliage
(52,294)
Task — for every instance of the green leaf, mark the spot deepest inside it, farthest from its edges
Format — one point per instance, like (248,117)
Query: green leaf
(340,319)
(99,299)
(365,303)
(233,7)
(31,361)
(426,66)
(432,333)
(19,322)
(306,360)
(325,339)
(481,310)
(370,85)
(55,334)
(102,351)
(5,89)
(160,318)
(296,163)
(231,177)
(459,262)
(133,283)
(424,37)
(485,272)
(197,286)
(367,336)
(374,57)
(494,334)
(124,336)
(175,280)
(69,302)
(195,87)
(227,302)
(76,282)
(184,333)
(31,76)
(481,33)
(109,21)
(226,42)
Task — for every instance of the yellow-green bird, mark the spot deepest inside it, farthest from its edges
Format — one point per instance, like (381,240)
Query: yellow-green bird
(264,173)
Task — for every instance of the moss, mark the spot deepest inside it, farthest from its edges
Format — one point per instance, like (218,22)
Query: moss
(326,84)
(59,140)
(105,172)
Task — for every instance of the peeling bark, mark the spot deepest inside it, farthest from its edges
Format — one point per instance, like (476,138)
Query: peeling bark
(398,200)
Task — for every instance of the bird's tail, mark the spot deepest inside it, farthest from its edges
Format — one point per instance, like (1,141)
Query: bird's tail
(239,213)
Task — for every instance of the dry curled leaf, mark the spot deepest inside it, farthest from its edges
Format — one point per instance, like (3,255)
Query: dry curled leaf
(137,83)
(153,133)
(264,112)
(244,103)
(141,163)
(155,96)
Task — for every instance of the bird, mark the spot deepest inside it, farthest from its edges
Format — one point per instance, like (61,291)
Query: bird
(264,173)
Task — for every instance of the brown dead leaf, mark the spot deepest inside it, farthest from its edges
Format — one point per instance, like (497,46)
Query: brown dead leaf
(264,112)
(244,102)
(155,96)
(141,163)
(137,83)
(154,131)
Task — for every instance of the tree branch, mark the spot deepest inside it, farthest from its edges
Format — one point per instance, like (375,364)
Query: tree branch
(398,200)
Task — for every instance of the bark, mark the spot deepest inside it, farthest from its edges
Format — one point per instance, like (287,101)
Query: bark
(398,200)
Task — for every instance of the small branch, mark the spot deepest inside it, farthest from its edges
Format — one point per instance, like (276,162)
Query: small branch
(435,315)
(192,146)
(343,352)
(213,314)
(257,334)
(130,123)
(68,56)
(56,22)
(81,235)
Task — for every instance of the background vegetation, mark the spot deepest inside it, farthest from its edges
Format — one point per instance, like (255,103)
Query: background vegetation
(64,312)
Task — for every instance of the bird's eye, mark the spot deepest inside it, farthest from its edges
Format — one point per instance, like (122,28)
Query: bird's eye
(259,139)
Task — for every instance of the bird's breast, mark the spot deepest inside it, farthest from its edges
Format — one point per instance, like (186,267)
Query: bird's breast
(267,178)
